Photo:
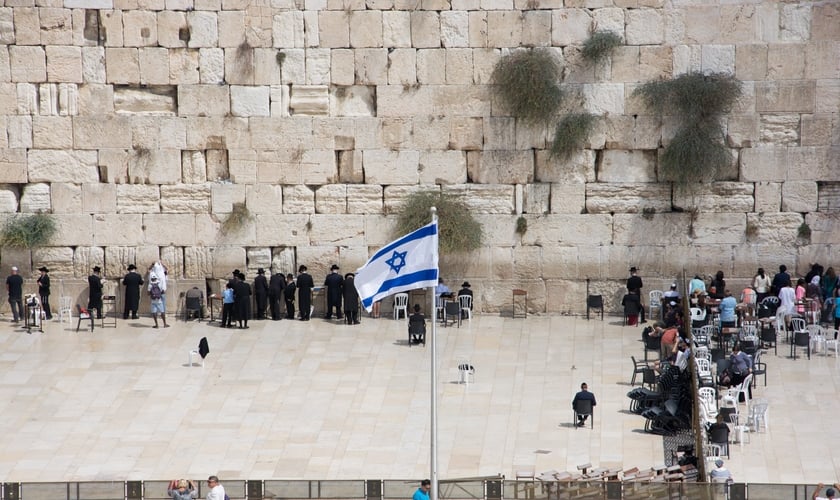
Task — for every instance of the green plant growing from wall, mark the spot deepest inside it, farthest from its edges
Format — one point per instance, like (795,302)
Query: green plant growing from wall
(570,134)
(697,151)
(238,218)
(599,46)
(804,232)
(527,83)
(27,231)
(521,225)
(458,230)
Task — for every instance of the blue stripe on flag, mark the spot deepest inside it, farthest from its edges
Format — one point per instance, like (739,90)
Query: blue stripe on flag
(423,232)
(402,281)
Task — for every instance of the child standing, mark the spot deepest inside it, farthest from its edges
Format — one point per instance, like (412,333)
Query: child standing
(227,307)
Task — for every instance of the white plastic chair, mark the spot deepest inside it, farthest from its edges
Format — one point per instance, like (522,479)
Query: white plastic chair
(817,339)
(704,370)
(465,370)
(655,298)
(197,352)
(65,309)
(760,415)
(401,304)
(708,397)
(831,341)
(466,305)
(697,314)
(743,388)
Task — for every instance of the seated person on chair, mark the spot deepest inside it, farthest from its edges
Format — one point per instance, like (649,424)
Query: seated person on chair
(720,474)
(417,325)
(632,306)
(672,295)
(465,290)
(583,395)
(441,290)
(194,303)
(740,365)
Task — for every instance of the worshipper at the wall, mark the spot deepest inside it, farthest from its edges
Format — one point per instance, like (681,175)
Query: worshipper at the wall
(132,281)
(333,283)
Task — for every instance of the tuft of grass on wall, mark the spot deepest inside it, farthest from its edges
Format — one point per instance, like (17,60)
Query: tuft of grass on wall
(527,83)
(570,134)
(27,231)
(599,46)
(458,230)
(695,155)
(521,225)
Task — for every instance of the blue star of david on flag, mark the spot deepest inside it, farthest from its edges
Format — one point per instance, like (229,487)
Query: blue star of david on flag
(397,261)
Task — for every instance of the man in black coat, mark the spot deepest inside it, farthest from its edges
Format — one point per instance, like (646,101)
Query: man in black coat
(95,292)
(132,281)
(304,287)
(44,291)
(333,282)
(583,395)
(634,283)
(289,296)
(351,300)
(242,300)
(261,292)
(276,284)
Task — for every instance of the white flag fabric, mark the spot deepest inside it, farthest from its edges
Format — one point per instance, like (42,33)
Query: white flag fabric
(405,264)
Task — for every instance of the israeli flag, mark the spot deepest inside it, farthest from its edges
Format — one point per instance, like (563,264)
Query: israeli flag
(405,264)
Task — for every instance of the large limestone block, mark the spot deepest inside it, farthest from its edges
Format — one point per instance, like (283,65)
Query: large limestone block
(751,61)
(118,229)
(366,28)
(627,197)
(527,262)
(65,198)
(259,257)
(282,230)
(169,229)
(569,230)
(288,29)
(721,228)
(211,65)
(7,26)
(64,64)
(780,130)
(799,196)
(299,199)
(364,199)
(172,29)
(249,101)
(636,229)
(185,198)
(198,262)
(85,259)
(283,260)
(203,27)
(227,258)
(111,29)
(52,132)
(138,198)
(786,61)
(28,64)
(795,22)
(627,166)
(431,132)
(122,66)
(579,168)
(825,18)
(570,26)
(466,133)
(13,166)
(768,196)
(454,28)
(379,230)
(459,66)
(562,262)
(391,167)
(59,260)
(173,258)
(568,198)
(371,66)
(264,199)
(820,129)
(35,198)
(323,230)
(719,197)
(536,198)
(604,98)
(396,29)
(504,28)
(99,198)
(184,66)
(785,96)
(101,132)
(154,166)
(318,260)
(231,25)
(823,227)
(309,100)
(396,195)
(242,165)
(342,66)
(334,28)
(484,198)
(443,167)
(139,28)
(425,29)
(501,167)
(778,229)
(331,199)
(113,165)
(717,59)
(742,131)
(204,100)
(644,27)
(827,96)
(193,167)
(51,165)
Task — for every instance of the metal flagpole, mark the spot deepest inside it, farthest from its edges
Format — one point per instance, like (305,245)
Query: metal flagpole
(433,407)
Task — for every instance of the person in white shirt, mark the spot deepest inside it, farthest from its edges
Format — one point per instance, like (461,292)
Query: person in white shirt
(787,300)
(217,491)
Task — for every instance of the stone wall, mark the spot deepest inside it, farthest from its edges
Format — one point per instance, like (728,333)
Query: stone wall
(140,123)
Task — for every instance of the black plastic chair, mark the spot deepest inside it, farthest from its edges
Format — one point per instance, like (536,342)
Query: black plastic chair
(452,308)
(583,407)
(759,368)
(595,302)
(84,314)
(192,305)
(801,339)
(638,368)
(416,333)
(719,434)
(650,378)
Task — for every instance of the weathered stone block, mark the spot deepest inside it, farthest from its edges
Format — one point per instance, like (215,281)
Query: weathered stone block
(138,198)
(568,230)
(823,227)
(777,228)
(203,29)
(99,198)
(537,198)
(249,101)
(627,166)
(364,199)
(35,198)
(751,61)
(425,29)
(298,199)
(780,130)
(726,228)
(122,66)
(570,26)
(396,195)
(396,29)
(717,59)
(371,66)
(64,64)
(501,167)
(258,258)
(742,131)
(312,100)
(443,167)
(604,98)
(52,132)
(785,96)
(211,65)
(799,196)
(169,229)
(454,28)
(50,165)
(227,258)
(484,198)
(768,196)
(185,198)
(627,197)
(366,28)
(323,230)
(85,258)
(28,64)
(264,199)
(117,229)
(391,167)
(59,260)
(568,198)
(139,28)
(334,28)
(644,27)
(154,166)
(331,199)
(203,100)
(183,66)
(719,197)
(795,22)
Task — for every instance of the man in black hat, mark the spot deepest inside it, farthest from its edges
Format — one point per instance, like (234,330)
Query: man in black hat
(305,284)
(95,292)
(132,281)
(276,284)
(465,290)
(289,296)
(333,282)
(351,300)
(242,300)
(44,291)
(634,285)
(261,292)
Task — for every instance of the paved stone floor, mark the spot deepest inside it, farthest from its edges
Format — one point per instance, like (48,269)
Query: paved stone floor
(321,400)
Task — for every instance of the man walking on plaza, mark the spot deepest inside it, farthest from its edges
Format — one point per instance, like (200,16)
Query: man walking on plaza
(14,285)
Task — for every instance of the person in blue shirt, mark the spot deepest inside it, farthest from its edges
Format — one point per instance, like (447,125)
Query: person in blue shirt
(727,310)
(422,492)
(696,284)
(227,306)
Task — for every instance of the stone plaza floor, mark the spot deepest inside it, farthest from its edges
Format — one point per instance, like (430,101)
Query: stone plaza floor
(321,400)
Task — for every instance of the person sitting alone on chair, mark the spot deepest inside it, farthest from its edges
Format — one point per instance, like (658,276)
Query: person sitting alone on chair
(632,303)
(740,364)
(583,395)
(417,325)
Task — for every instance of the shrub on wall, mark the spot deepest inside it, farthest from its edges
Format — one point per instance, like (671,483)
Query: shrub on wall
(527,83)
(458,231)
(27,231)
(599,46)
(697,151)
(570,134)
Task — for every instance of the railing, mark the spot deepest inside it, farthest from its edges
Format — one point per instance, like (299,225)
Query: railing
(471,489)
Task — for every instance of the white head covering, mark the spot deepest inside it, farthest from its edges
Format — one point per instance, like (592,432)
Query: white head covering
(159,272)
(815,280)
